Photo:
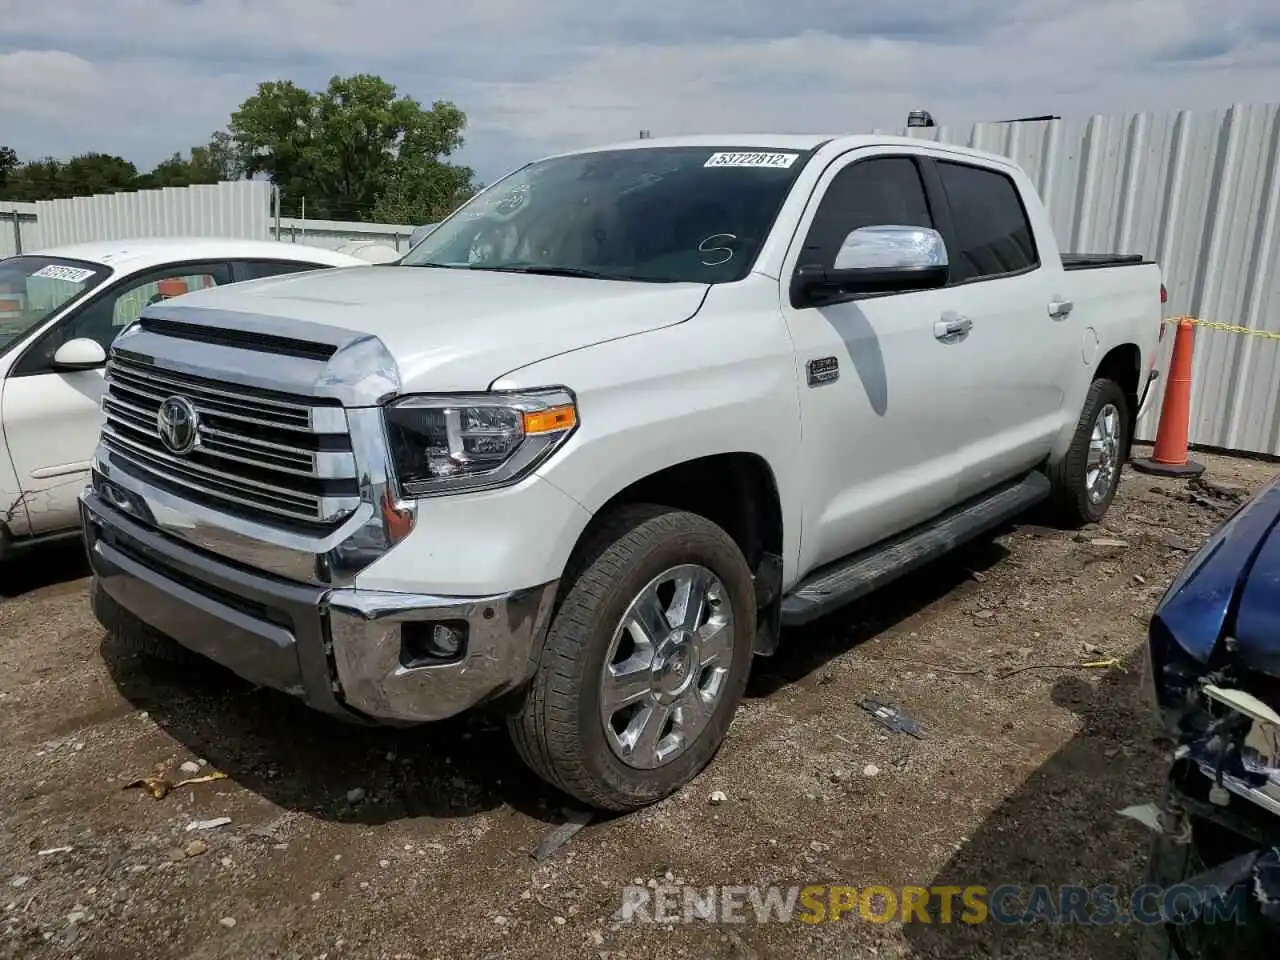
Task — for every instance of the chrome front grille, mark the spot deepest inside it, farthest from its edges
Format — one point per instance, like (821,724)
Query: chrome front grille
(256,452)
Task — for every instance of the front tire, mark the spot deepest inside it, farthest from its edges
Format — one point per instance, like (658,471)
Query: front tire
(644,662)
(1085,480)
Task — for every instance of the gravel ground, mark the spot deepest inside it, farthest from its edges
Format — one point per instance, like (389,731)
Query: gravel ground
(338,841)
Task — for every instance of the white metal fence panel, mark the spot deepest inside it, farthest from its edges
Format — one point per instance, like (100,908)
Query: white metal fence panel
(240,209)
(1199,192)
(19,228)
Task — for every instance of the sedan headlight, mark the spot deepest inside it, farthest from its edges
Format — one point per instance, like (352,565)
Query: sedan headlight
(451,443)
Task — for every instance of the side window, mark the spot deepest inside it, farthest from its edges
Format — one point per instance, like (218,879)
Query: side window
(884,191)
(103,317)
(129,302)
(992,230)
(257,269)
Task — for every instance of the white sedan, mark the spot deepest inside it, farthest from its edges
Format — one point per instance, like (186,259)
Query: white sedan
(59,311)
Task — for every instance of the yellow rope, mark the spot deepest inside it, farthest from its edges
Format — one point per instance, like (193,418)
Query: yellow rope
(1226,327)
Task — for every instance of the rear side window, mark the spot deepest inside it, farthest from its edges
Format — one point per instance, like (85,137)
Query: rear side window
(884,191)
(992,230)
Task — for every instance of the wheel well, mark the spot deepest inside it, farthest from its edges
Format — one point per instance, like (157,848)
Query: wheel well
(736,491)
(1121,365)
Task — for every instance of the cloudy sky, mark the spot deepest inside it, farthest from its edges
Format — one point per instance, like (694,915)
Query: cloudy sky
(143,78)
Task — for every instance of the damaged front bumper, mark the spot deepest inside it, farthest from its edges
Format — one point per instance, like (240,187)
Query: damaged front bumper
(1217,853)
(1213,669)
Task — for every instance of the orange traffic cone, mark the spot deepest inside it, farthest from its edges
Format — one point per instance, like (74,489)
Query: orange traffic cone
(1169,458)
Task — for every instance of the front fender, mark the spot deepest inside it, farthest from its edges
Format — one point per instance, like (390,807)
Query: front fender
(1196,607)
(14,520)
(722,382)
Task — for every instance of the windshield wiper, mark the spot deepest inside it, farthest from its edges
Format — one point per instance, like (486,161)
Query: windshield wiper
(558,272)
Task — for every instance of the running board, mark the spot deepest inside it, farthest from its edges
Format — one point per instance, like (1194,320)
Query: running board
(855,576)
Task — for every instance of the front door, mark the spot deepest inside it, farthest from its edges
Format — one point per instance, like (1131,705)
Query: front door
(882,440)
(52,418)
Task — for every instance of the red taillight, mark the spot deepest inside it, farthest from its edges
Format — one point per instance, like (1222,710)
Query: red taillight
(1164,294)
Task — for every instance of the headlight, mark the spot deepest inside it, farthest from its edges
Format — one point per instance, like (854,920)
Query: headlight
(452,443)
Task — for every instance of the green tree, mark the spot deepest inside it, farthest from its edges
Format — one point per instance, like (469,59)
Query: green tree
(82,176)
(424,193)
(93,173)
(176,171)
(350,146)
(217,157)
(8,164)
(37,180)
(212,163)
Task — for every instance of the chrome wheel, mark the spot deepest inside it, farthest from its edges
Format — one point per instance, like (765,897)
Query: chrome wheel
(1104,454)
(667,666)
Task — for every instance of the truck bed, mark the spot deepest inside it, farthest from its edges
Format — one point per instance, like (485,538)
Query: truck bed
(1095,261)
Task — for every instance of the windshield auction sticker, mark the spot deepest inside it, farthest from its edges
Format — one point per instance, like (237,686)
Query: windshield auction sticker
(779,161)
(57,271)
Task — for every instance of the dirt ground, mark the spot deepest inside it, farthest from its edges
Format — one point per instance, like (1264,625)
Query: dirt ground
(349,842)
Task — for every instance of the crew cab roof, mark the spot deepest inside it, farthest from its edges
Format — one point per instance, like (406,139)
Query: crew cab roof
(834,143)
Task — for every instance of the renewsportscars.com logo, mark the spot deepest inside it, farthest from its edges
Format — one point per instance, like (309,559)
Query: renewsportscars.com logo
(1008,904)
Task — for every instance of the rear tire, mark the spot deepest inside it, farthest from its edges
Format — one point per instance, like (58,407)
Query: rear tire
(1085,480)
(635,690)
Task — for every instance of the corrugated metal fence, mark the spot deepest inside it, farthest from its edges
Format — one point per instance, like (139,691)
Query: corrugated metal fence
(1199,192)
(241,209)
(19,229)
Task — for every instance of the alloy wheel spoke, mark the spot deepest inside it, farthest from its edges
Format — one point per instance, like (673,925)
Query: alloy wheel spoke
(715,644)
(649,619)
(652,720)
(690,599)
(692,715)
(628,683)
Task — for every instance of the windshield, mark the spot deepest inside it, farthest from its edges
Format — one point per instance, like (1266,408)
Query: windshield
(659,214)
(33,289)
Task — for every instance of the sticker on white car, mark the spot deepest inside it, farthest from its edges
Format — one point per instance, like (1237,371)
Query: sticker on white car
(58,271)
(778,161)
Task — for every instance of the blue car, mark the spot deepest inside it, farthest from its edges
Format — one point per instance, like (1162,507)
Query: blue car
(1214,670)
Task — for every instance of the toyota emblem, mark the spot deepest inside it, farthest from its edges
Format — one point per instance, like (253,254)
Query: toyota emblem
(177,422)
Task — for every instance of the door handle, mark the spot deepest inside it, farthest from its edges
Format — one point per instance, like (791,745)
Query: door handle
(1060,309)
(952,328)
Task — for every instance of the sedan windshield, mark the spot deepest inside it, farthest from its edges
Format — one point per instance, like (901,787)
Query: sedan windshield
(33,289)
(658,214)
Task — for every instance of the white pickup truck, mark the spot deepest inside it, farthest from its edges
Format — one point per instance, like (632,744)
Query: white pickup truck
(606,431)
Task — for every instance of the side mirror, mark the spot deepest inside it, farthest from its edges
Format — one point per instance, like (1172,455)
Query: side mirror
(885,259)
(79,354)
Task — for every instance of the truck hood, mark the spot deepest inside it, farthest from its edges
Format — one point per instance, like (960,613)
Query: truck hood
(448,329)
(1231,586)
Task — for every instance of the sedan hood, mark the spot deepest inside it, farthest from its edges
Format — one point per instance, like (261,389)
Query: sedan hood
(1231,586)
(448,329)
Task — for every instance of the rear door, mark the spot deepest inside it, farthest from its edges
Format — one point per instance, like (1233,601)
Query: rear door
(1009,275)
(51,417)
